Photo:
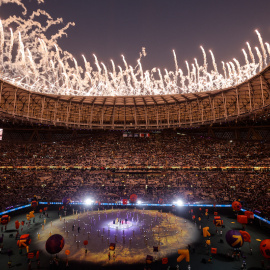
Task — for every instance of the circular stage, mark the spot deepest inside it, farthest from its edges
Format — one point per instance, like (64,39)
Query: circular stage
(146,232)
(118,225)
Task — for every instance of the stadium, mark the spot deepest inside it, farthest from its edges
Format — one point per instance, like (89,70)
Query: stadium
(138,171)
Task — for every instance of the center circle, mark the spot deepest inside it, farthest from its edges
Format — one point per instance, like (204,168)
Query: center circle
(122,225)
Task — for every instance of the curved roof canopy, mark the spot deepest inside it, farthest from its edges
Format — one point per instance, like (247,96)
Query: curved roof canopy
(137,112)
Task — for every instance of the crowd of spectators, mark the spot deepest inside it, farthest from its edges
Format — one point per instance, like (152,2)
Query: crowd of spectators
(209,187)
(112,150)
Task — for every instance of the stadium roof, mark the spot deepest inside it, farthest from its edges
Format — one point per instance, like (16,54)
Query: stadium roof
(136,100)
(140,112)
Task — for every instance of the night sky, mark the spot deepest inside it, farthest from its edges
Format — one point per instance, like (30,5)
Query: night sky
(110,28)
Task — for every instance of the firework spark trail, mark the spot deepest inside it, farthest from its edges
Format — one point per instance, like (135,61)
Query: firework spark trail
(238,66)
(194,73)
(260,57)
(141,70)
(124,60)
(17,2)
(176,67)
(224,69)
(21,49)
(161,78)
(10,46)
(246,57)
(133,79)
(32,64)
(166,77)
(262,46)
(144,52)
(97,64)
(204,58)
(182,78)
(214,61)
(229,69)
(127,71)
(233,68)
(106,72)
(251,53)
(2,42)
(188,75)
(88,69)
(268,48)
(113,66)
(198,70)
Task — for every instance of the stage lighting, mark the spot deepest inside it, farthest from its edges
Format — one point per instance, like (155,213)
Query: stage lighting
(139,202)
(179,203)
(88,201)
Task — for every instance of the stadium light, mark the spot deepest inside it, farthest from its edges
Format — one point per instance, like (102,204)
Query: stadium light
(88,201)
(179,203)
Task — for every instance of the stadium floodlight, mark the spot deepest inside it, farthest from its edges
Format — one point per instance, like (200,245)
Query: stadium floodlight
(88,201)
(179,203)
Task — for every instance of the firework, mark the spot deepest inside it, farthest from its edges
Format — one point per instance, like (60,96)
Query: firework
(31,60)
